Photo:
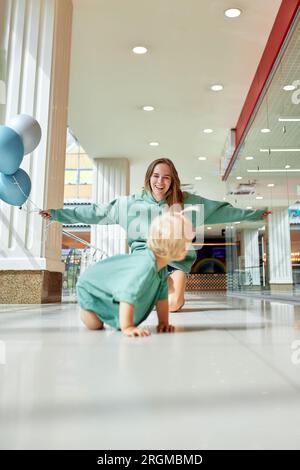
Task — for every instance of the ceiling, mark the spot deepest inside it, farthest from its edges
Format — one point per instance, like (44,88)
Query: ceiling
(191,45)
(276,104)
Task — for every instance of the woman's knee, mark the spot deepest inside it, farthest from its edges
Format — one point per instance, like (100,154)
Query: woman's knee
(90,320)
(176,295)
(170,284)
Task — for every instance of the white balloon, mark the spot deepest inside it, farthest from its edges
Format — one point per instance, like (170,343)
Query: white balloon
(28,129)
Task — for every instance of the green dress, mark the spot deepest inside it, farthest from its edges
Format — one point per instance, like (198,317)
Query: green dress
(123,278)
(135,212)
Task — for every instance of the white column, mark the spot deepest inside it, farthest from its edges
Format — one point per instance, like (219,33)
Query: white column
(36,41)
(280,265)
(111,179)
(3,42)
(233,277)
(250,251)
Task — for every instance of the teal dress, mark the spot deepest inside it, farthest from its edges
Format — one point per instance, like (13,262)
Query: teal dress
(123,278)
(135,212)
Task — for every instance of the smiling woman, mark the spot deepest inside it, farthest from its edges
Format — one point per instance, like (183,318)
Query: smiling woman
(163,182)
(161,191)
(160,181)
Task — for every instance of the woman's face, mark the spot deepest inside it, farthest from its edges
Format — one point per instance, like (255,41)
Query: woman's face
(160,181)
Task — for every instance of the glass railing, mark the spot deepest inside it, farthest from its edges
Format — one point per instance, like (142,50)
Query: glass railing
(76,262)
(72,259)
(249,278)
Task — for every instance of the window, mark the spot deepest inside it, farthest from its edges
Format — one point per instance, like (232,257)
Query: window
(85,176)
(78,173)
(71,176)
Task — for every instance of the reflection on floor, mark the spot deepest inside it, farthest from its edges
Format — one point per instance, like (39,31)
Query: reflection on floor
(229,378)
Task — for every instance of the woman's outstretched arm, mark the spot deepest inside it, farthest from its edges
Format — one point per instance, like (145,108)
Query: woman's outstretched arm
(105,214)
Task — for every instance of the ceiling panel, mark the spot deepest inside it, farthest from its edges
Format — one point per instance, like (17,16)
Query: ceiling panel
(191,46)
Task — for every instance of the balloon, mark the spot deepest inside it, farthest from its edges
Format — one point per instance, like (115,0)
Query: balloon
(15,189)
(28,129)
(11,150)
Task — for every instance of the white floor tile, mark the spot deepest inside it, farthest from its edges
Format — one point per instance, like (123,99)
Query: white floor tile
(224,380)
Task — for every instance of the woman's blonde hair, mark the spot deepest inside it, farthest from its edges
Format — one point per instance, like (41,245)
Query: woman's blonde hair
(170,235)
(174,194)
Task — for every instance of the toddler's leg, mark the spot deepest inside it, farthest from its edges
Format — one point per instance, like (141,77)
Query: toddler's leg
(90,319)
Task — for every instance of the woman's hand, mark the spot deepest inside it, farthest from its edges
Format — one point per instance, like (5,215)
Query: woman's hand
(165,328)
(265,214)
(135,331)
(46,214)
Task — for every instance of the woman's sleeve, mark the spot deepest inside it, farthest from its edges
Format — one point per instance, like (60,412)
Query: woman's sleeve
(104,214)
(218,212)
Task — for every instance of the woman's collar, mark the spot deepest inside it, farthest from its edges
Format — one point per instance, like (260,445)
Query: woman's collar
(149,196)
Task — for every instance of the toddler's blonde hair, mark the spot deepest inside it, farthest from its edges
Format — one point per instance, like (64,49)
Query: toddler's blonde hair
(170,235)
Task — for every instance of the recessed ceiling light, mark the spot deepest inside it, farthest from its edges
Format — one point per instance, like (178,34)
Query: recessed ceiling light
(265,130)
(259,197)
(207,131)
(216,87)
(140,50)
(249,158)
(208,228)
(289,88)
(287,166)
(198,178)
(154,144)
(232,12)
(249,207)
(148,108)
(271,185)
(239,177)
(201,158)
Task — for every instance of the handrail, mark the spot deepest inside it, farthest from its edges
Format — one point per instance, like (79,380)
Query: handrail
(247,267)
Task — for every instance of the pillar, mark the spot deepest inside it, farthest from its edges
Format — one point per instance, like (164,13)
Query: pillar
(111,181)
(3,41)
(250,253)
(232,268)
(36,41)
(280,264)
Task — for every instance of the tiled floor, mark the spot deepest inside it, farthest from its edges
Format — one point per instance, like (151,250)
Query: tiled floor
(229,378)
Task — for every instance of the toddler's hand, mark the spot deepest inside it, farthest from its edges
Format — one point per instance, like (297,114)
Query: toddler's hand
(165,328)
(134,331)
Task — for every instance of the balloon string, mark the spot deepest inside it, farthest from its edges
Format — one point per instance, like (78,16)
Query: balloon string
(27,197)
(66,232)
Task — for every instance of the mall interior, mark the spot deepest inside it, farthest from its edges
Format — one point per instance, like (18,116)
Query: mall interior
(213,85)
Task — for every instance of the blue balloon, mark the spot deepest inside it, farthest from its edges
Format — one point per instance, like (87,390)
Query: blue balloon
(15,189)
(11,150)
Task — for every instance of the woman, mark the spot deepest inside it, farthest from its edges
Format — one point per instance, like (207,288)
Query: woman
(135,212)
